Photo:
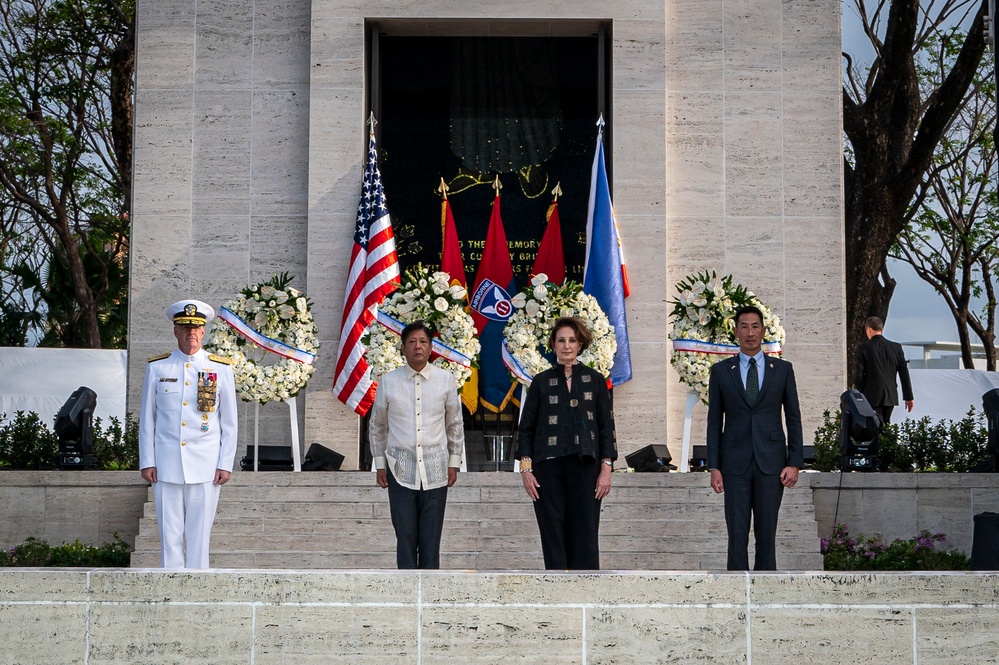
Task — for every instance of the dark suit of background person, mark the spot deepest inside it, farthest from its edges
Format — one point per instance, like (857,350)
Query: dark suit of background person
(750,457)
(417,436)
(879,360)
(566,446)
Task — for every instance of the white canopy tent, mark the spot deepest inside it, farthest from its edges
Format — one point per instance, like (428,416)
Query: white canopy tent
(41,380)
(946,394)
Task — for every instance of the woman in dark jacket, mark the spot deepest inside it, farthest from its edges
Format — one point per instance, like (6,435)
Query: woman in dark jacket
(567,450)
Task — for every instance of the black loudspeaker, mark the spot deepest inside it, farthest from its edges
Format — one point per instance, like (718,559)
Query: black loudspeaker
(272,458)
(654,457)
(321,458)
(985,545)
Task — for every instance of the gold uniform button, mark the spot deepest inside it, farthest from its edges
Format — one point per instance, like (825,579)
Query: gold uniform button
(187,364)
(183,423)
(185,403)
(187,383)
(183,443)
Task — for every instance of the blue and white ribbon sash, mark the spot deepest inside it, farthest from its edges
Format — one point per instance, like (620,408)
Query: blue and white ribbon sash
(437,347)
(697,346)
(514,367)
(264,342)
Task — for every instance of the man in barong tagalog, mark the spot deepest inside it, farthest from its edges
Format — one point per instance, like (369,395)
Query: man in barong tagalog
(417,435)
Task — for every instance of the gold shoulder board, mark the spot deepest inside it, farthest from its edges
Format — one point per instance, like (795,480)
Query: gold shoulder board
(153,359)
(220,359)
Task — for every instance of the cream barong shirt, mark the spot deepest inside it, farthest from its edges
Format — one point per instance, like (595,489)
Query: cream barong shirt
(416,429)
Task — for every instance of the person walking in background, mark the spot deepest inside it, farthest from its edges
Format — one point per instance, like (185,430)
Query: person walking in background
(567,448)
(750,457)
(417,435)
(187,436)
(879,362)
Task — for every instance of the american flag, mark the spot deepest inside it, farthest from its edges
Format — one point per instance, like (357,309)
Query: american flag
(374,273)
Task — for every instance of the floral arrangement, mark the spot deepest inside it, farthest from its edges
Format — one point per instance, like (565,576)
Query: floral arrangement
(277,311)
(429,297)
(705,312)
(538,306)
(841,551)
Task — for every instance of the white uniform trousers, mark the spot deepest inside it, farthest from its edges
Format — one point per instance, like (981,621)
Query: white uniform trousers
(185,514)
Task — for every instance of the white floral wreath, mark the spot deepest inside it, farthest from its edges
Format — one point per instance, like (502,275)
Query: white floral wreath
(704,327)
(429,297)
(277,311)
(537,307)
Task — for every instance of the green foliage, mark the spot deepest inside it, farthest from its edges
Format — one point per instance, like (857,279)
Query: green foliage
(27,443)
(117,447)
(913,445)
(35,553)
(65,167)
(842,552)
(826,442)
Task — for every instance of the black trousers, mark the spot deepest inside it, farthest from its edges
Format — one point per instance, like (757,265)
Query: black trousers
(758,495)
(568,513)
(884,412)
(418,520)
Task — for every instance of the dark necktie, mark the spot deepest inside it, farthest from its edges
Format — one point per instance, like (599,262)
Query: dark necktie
(752,383)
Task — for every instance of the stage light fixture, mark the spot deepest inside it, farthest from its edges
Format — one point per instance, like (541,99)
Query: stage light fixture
(74,426)
(860,428)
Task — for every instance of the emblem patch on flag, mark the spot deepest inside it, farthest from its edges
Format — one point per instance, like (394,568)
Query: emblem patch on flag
(492,301)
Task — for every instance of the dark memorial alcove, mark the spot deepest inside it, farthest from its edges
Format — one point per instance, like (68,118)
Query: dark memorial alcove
(466,109)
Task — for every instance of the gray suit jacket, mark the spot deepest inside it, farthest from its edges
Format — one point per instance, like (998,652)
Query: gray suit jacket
(737,432)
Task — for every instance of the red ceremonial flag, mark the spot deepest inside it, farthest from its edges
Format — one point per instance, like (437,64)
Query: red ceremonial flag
(373,274)
(453,265)
(551,259)
(451,261)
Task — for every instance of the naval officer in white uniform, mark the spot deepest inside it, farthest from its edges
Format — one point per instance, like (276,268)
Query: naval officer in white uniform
(187,436)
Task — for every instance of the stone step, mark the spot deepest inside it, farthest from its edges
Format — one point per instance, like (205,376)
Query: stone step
(524,526)
(335,520)
(470,561)
(611,510)
(460,494)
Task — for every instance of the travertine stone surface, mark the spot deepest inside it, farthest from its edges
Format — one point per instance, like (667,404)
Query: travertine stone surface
(490,634)
(725,140)
(63,506)
(666,634)
(43,634)
(339,633)
(823,635)
(946,638)
(223,616)
(174,632)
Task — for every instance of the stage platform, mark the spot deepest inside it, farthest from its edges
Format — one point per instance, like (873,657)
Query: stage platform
(340,520)
(102,617)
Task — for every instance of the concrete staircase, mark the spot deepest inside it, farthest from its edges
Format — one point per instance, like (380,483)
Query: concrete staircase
(315,520)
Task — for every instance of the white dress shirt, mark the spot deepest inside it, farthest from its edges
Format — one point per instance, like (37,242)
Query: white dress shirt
(744,366)
(416,429)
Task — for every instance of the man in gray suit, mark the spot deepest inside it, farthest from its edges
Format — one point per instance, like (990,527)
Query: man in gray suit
(750,458)
(879,361)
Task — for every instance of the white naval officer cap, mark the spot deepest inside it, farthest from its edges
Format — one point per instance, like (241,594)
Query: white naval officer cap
(190,313)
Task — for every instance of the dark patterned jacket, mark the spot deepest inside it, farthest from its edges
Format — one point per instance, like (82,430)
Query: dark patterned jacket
(557,422)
